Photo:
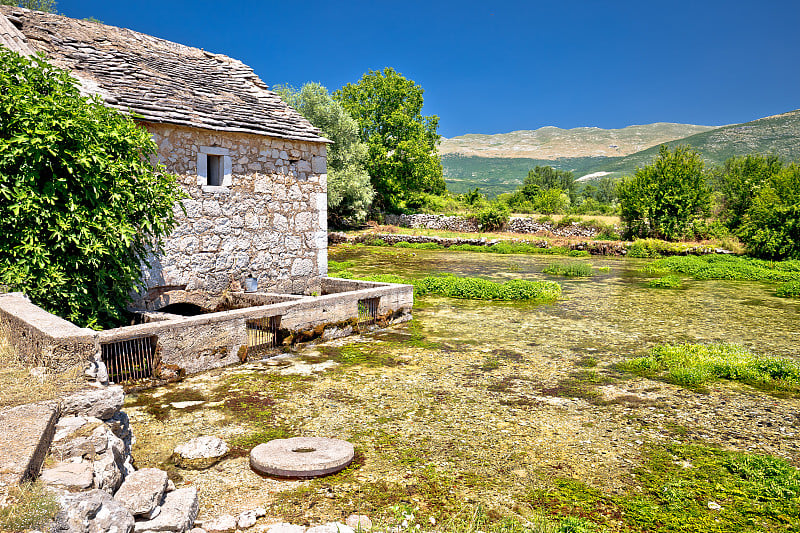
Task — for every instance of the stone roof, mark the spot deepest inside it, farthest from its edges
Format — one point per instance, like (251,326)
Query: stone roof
(159,80)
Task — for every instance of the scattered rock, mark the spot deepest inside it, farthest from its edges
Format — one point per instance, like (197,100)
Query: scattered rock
(102,403)
(222,524)
(70,476)
(89,512)
(142,491)
(177,512)
(285,527)
(246,519)
(108,473)
(199,453)
(331,527)
(359,522)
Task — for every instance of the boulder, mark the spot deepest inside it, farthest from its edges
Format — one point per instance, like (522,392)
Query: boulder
(91,512)
(222,524)
(199,453)
(142,491)
(102,403)
(178,512)
(246,519)
(70,476)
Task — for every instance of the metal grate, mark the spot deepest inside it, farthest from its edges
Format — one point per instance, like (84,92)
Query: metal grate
(129,359)
(368,311)
(262,334)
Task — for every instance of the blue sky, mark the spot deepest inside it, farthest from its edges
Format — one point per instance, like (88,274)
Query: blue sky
(499,66)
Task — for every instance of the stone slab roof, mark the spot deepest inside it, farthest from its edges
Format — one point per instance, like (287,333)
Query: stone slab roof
(159,80)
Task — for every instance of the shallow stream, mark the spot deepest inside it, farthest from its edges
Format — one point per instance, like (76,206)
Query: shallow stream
(481,402)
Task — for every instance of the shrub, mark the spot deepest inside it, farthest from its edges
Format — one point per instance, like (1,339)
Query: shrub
(81,206)
(644,248)
(494,217)
(789,290)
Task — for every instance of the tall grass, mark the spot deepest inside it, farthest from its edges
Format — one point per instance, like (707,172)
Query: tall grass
(570,270)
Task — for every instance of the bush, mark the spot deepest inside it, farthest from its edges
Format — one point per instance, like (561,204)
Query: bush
(661,199)
(789,290)
(740,181)
(494,217)
(81,206)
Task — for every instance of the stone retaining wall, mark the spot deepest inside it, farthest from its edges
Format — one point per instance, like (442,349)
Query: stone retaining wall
(470,225)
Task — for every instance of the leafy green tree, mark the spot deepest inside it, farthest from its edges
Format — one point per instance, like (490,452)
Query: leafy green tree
(771,225)
(81,205)
(350,193)
(739,182)
(606,190)
(661,199)
(403,160)
(48,6)
(544,178)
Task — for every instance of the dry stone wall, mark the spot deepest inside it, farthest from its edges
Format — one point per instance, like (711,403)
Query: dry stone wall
(469,225)
(270,222)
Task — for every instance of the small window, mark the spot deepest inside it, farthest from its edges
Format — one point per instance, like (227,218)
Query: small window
(215,170)
(214,167)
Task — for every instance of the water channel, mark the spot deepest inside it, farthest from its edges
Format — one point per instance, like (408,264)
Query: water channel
(481,402)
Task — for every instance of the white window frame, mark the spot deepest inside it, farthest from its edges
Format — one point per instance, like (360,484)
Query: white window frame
(202,167)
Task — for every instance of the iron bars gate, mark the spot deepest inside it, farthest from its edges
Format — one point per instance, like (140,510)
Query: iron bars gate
(129,359)
(368,311)
(262,335)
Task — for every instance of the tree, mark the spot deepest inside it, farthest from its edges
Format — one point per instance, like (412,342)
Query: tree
(81,205)
(661,199)
(48,6)
(403,160)
(739,183)
(771,225)
(350,193)
(546,178)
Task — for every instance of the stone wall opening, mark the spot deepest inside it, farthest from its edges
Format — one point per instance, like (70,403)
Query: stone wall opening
(130,359)
(368,311)
(262,335)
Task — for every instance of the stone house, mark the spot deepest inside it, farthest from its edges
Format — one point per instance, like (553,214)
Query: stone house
(253,168)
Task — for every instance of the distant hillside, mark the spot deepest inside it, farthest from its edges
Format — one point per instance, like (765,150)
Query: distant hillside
(550,143)
(779,134)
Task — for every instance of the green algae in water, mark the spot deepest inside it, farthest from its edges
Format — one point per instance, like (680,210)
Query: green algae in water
(571,270)
(665,282)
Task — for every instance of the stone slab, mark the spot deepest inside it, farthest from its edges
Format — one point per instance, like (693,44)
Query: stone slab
(178,513)
(301,457)
(25,435)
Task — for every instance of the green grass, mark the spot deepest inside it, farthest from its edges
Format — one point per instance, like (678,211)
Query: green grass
(696,365)
(736,268)
(472,288)
(645,248)
(665,282)
(30,506)
(790,289)
(570,270)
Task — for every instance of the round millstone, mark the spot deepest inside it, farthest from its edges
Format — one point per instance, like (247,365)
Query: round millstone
(301,457)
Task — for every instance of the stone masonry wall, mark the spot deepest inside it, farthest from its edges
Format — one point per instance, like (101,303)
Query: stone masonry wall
(270,222)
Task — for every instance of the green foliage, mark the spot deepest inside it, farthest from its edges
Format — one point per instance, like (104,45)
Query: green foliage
(662,199)
(771,227)
(666,282)
(493,217)
(30,506)
(350,193)
(694,365)
(739,182)
(545,178)
(731,267)
(473,288)
(571,270)
(644,248)
(48,6)
(789,290)
(81,205)
(403,160)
